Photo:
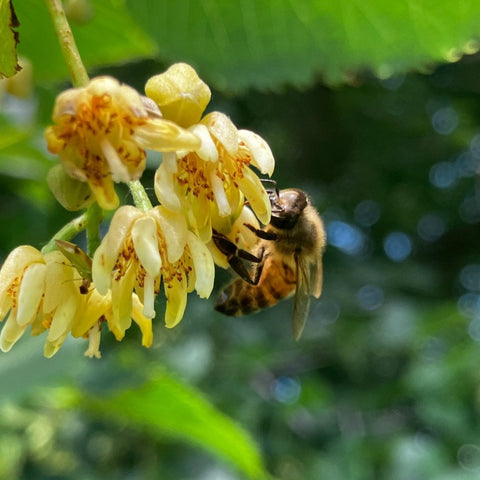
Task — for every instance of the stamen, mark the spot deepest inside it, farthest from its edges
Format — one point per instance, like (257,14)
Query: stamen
(117,168)
(149,296)
(220,196)
(94,336)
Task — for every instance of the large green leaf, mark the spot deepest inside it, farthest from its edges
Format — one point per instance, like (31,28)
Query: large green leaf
(268,43)
(110,37)
(166,407)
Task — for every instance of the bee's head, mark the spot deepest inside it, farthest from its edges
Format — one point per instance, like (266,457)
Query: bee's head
(287,208)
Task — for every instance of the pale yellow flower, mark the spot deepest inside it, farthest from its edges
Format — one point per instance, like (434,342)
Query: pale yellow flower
(95,309)
(210,182)
(22,286)
(142,249)
(47,293)
(101,132)
(39,291)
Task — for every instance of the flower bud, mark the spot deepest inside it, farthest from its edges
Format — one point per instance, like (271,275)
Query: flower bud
(70,193)
(180,93)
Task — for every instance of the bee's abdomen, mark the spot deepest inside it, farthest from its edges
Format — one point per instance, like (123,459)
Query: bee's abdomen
(241,298)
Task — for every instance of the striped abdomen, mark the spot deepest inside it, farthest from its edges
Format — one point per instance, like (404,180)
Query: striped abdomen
(276,282)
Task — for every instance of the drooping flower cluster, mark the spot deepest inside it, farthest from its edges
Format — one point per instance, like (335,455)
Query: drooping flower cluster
(206,179)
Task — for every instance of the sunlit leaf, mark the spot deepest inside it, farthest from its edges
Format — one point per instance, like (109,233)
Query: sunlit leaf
(166,407)
(110,37)
(269,43)
(8,39)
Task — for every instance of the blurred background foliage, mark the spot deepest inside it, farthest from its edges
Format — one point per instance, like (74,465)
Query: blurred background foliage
(370,109)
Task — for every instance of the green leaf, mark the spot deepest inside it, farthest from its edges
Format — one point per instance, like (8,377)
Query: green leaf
(166,407)
(269,43)
(111,37)
(8,40)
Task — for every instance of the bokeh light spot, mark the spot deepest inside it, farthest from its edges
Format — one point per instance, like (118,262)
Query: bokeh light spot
(469,209)
(470,277)
(397,246)
(431,227)
(370,297)
(345,237)
(466,165)
(443,175)
(474,329)
(468,304)
(367,213)
(468,457)
(286,390)
(445,120)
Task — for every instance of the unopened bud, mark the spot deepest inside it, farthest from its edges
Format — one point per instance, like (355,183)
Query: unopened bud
(180,93)
(72,194)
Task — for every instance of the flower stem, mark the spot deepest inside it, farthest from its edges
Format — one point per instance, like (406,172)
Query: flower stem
(140,197)
(94,217)
(67,43)
(67,232)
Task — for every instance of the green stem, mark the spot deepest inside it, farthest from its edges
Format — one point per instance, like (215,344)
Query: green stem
(67,232)
(67,43)
(94,218)
(140,197)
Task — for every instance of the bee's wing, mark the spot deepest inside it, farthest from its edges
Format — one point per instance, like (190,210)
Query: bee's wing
(302,297)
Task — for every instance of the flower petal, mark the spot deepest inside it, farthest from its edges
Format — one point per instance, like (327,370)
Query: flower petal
(93,308)
(256,195)
(60,282)
(176,293)
(174,229)
(165,136)
(105,193)
(145,241)
(62,321)
(30,293)
(122,303)
(165,188)
(15,264)
(169,159)
(11,332)
(143,322)
(262,156)
(223,129)
(207,150)
(203,266)
(112,245)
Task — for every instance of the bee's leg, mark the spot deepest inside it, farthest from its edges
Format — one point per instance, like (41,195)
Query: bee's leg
(259,268)
(272,190)
(262,233)
(236,256)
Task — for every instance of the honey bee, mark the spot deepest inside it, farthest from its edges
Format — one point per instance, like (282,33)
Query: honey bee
(288,259)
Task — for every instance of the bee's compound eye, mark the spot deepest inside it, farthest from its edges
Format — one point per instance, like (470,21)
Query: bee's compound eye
(293,200)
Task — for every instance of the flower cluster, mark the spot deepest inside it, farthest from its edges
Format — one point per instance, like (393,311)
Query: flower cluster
(47,293)
(206,178)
